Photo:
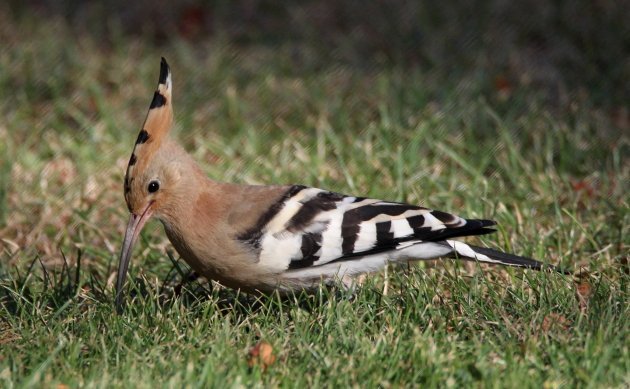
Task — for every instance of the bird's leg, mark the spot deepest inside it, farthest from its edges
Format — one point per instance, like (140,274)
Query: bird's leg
(190,277)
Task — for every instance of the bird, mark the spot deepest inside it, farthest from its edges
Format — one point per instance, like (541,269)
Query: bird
(266,238)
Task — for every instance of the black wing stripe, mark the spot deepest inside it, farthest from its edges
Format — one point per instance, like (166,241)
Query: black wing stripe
(324,201)
(253,235)
(446,218)
(384,235)
(311,244)
(352,219)
(350,227)
(371,211)
(416,221)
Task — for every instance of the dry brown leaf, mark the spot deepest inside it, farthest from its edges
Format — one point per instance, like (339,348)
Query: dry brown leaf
(261,355)
(585,187)
(501,83)
(503,87)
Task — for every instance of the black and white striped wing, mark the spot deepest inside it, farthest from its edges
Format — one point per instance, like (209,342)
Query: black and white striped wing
(313,227)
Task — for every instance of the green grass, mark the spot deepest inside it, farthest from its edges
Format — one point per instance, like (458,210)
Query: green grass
(554,177)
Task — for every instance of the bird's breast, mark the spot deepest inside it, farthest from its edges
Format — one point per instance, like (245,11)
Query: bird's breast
(217,256)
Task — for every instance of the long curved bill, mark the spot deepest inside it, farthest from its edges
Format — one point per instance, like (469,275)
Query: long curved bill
(131,235)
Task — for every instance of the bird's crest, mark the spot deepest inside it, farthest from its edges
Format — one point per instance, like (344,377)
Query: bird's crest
(155,128)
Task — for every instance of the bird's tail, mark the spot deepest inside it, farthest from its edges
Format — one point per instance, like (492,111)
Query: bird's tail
(486,255)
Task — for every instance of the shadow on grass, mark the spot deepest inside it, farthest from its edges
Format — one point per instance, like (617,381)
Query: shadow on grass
(53,289)
(56,290)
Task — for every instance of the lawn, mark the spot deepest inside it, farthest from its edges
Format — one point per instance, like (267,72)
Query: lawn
(473,137)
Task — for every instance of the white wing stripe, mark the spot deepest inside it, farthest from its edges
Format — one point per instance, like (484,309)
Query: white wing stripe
(433,222)
(331,237)
(366,238)
(401,228)
(277,253)
(466,251)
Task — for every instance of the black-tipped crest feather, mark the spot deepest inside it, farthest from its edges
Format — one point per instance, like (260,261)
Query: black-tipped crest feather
(164,71)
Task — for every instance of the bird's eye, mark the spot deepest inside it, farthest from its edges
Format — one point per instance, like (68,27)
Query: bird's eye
(153,186)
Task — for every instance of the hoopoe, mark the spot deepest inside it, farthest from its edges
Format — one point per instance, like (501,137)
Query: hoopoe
(266,238)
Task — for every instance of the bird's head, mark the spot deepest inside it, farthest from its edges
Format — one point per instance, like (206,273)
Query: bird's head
(154,173)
